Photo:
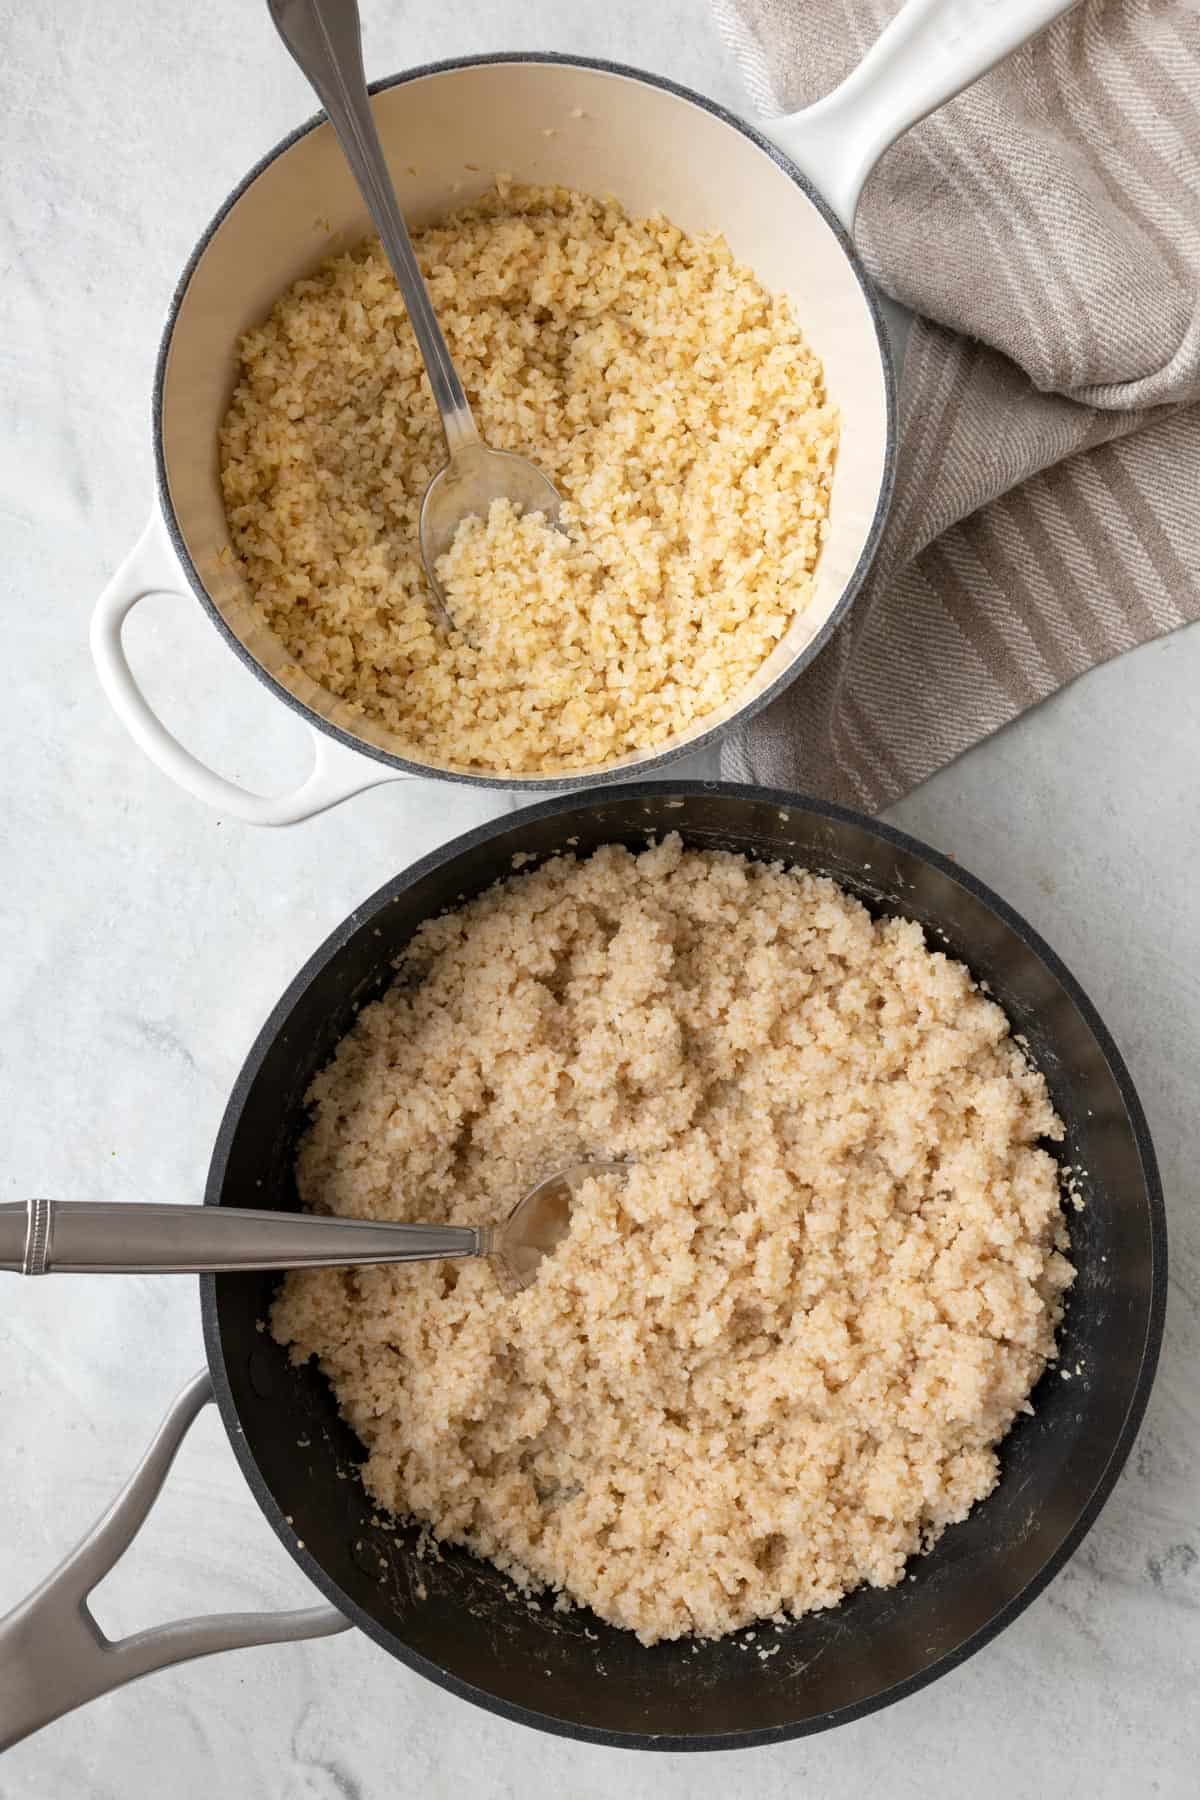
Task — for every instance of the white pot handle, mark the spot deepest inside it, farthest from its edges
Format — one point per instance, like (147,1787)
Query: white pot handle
(336,774)
(931,51)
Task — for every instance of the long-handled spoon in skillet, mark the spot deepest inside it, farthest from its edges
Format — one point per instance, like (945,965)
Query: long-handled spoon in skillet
(85,1237)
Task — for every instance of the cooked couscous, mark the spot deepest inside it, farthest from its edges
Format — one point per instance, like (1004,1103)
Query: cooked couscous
(671,399)
(775,1358)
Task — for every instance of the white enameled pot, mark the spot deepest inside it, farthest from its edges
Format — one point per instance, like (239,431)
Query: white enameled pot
(784,197)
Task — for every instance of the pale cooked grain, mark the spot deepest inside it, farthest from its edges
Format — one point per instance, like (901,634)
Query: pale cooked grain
(776,1359)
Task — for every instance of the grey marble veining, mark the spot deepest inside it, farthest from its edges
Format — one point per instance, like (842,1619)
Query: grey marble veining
(145,939)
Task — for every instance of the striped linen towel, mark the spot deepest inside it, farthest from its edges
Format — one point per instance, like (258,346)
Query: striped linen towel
(1045,228)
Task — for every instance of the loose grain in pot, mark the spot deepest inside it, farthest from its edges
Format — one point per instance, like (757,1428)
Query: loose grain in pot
(672,400)
(775,1359)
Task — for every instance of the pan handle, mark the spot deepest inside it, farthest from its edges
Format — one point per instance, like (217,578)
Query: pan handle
(54,1656)
(931,51)
(336,774)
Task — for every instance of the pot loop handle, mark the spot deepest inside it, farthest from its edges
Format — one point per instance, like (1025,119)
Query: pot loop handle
(54,1656)
(336,774)
(929,52)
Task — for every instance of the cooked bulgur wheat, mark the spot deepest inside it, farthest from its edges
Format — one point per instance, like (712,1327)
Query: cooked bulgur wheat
(671,399)
(775,1359)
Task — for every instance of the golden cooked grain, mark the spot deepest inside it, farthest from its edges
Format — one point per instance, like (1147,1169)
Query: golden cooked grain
(671,399)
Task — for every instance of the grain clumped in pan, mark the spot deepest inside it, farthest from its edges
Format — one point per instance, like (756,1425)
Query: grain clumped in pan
(672,400)
(773,1361)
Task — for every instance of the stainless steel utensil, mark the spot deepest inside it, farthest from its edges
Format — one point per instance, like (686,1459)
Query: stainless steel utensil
(87,1237)
(325,38)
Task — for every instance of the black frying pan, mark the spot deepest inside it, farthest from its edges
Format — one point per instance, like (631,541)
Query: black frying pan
(456,1619)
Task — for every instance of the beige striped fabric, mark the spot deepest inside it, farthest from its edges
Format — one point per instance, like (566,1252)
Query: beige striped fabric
(1045,227)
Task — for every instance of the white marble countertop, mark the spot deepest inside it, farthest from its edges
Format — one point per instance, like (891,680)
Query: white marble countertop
(145,939)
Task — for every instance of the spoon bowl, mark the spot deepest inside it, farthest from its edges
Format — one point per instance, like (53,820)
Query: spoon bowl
(538,1223)
(465,488)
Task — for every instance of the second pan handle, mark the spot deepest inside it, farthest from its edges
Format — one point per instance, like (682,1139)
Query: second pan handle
(98,1237)
(53,1654)
(929,52)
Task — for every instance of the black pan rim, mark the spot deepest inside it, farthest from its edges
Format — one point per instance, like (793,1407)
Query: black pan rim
(566,782)
(1085,1519)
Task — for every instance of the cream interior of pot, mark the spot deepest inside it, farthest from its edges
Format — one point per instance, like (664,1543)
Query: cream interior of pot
(586,128)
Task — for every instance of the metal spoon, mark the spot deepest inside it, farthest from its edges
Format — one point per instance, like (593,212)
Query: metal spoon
(101,1237)
(325,38)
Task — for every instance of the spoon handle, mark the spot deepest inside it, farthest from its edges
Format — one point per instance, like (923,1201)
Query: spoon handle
(325,38)
(98,1237)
